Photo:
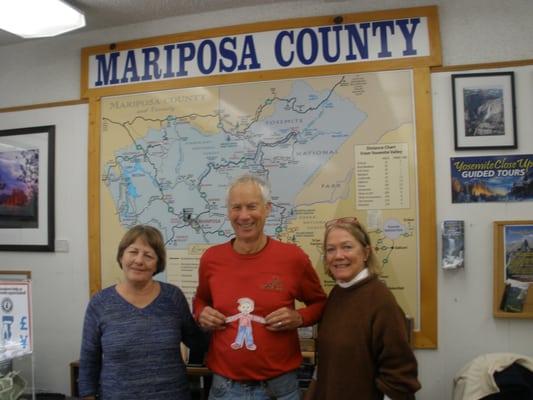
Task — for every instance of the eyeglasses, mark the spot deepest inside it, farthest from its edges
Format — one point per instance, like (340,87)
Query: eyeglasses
(343,220)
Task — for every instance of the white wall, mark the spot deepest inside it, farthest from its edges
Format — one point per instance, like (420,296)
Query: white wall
(472,31)
(466,326)
(60,279)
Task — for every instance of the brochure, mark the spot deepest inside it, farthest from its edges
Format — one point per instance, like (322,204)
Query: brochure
(514,296)
(453,244)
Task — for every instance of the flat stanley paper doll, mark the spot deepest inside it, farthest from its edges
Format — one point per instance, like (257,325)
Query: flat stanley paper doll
(245,317)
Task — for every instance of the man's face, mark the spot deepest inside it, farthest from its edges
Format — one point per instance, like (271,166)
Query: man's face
(247,212)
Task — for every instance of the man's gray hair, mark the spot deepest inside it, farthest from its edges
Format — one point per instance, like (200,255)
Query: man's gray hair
(249,178)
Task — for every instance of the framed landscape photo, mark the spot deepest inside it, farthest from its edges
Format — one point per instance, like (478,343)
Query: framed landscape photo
(27,189)
(513,269)
(484,111)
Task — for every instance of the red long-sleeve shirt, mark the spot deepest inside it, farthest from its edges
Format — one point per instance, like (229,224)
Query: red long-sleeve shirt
(273,278)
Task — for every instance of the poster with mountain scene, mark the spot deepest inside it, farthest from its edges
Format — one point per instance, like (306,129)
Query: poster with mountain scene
(518,266)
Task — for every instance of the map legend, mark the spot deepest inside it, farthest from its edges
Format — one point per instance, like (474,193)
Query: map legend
(382,176)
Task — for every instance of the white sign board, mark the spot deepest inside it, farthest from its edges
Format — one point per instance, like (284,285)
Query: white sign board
(16,319)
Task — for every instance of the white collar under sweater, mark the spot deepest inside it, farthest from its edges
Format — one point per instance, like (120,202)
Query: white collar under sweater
(359,277)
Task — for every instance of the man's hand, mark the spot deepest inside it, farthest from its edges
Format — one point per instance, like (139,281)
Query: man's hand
(211,319)
(283,319)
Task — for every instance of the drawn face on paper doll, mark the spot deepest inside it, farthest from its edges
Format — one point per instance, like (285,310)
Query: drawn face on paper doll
(246,305)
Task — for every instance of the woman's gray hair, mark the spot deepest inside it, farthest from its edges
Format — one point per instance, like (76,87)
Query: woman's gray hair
(263,186)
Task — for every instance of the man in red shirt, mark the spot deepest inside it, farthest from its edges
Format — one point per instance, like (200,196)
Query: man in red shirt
(272,275)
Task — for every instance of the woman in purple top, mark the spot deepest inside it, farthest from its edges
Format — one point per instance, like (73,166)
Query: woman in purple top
(133,330)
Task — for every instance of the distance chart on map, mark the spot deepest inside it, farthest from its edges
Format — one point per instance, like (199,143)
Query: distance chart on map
(329,146)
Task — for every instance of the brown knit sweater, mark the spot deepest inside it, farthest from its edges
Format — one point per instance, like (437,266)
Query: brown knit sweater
(363,350)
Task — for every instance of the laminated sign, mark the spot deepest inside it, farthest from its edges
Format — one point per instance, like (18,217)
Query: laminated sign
(15,305)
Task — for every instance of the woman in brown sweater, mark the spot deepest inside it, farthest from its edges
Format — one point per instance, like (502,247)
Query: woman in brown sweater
(363,347)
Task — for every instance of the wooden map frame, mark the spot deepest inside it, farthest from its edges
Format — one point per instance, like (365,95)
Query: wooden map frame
(426,335)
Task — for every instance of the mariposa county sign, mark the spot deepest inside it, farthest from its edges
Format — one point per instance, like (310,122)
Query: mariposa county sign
(348,39)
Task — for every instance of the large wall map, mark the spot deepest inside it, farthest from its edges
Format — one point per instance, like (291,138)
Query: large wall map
(330,147)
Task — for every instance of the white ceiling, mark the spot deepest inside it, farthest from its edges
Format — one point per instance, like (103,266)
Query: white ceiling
(101,14)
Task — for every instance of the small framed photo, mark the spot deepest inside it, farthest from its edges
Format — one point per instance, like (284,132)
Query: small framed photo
(484,111)
(513,269)
(27,189)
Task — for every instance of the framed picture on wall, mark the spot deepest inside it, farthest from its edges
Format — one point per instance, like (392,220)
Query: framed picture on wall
(513,269)
(27,189)
(484,111)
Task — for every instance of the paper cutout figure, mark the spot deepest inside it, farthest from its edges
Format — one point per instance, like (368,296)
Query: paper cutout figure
(245,317)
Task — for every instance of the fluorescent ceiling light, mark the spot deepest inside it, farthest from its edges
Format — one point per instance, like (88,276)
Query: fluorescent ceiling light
(39,18)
